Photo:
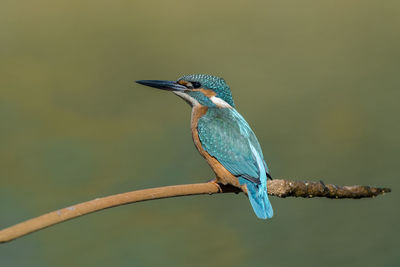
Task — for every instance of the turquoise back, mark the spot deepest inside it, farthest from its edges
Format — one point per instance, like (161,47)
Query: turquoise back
(227,137)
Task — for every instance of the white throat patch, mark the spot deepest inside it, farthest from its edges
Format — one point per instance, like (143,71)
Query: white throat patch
(193,102)
(219,102)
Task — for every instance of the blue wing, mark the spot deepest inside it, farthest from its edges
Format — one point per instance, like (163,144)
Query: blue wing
(226,136)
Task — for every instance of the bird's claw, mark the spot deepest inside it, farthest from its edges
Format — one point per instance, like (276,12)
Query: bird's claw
(214,181)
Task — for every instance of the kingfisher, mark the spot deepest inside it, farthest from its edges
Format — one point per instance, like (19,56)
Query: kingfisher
(223,137)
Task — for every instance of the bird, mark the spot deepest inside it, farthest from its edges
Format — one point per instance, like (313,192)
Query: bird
(222,136)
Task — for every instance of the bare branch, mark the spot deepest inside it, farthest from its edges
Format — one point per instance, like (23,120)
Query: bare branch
(279,188)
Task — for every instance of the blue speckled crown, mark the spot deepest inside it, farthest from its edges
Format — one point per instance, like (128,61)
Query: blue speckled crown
(214,83)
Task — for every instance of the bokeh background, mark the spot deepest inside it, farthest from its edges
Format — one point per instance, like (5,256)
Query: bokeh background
(317,80)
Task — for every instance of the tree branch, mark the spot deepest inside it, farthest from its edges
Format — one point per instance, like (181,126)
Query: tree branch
(279,188)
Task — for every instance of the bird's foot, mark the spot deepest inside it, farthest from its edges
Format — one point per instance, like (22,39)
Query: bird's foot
(214,181)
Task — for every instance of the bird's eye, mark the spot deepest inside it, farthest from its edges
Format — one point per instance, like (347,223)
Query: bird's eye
(196,84)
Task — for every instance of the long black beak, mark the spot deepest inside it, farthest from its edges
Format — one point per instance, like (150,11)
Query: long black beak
(163,85)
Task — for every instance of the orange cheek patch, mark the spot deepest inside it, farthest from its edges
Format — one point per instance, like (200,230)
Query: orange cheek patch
(182,82)
(208,93)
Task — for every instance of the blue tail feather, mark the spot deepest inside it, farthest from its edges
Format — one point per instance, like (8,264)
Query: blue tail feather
(259,199)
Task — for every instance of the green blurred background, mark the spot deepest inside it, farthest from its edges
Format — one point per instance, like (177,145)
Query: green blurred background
(317,80)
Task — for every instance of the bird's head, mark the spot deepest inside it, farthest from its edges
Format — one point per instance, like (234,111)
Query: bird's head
(203,89)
